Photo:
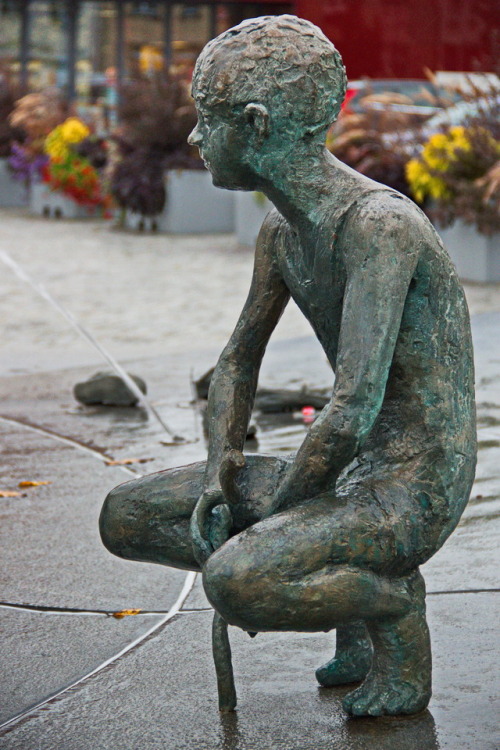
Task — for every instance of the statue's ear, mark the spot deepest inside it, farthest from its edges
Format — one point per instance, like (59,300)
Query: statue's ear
(258,117)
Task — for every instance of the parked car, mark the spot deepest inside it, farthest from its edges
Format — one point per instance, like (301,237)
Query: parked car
(408,96)
(458,114)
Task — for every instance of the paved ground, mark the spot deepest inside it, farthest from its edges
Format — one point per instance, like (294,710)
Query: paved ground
(151,300)
(138,294)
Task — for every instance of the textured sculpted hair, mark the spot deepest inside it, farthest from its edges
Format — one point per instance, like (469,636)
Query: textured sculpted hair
(283,62)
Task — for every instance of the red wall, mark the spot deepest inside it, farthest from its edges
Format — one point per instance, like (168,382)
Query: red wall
(399,38)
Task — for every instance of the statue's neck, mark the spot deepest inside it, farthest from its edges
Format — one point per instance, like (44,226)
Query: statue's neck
(299,184)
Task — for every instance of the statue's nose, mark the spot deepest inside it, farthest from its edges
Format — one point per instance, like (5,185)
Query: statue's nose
(194,138)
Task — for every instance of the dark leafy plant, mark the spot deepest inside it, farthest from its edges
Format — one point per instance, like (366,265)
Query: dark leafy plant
(138,182)
(94,149)
(156,116)
(9,134)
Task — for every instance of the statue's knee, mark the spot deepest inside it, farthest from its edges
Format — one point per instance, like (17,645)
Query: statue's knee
(230,586)
(218,581)
(113,525)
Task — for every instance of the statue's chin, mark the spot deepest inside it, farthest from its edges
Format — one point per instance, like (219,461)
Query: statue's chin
(227,184)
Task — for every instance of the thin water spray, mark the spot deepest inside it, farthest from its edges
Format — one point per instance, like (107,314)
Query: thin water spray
(40,289)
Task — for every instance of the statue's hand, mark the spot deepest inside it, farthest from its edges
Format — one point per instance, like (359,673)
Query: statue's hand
(212,520)
(201,540)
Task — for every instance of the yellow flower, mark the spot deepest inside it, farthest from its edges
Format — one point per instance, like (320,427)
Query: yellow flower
(435,153)
(58,140)
(74,130)
(55,146)
(422,183)
(438,140)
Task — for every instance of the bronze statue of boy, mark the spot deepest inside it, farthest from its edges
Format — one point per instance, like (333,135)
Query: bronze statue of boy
(333,538)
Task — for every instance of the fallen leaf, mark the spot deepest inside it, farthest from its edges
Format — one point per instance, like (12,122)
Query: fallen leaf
(127,461)
(32,484)
(5,493)
(126,613)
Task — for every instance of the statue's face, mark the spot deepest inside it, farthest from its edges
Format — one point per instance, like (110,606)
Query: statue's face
(223,144)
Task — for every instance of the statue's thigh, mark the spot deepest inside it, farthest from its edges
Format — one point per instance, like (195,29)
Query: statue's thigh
(358,528)
(147,519)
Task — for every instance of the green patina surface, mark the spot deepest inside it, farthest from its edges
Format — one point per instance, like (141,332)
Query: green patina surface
(334,537)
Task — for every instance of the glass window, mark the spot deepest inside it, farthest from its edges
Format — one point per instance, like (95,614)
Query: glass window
(191,29)
(95,66)
(144,35)
(10,44)
(47,64)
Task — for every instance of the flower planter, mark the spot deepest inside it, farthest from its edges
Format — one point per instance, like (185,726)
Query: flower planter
(251,210)
(193,206)
(475,256)
(13,193)
(53,204)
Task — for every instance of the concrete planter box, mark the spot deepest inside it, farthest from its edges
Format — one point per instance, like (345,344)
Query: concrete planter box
(13,193)
(53,204)
(251,210)
(475,256)
(193,206)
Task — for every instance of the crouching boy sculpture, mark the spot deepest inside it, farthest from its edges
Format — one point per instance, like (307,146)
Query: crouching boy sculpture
(333,538)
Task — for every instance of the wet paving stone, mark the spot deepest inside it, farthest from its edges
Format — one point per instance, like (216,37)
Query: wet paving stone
(50,550)
(46,652)
(163,695)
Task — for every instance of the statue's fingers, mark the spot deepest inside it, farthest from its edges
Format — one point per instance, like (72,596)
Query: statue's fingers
(220,526)
(201,548)
(231,465)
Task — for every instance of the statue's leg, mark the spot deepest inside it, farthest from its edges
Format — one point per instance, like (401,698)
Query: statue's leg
(400,679)
(325,565)
(147,519)
(353,657)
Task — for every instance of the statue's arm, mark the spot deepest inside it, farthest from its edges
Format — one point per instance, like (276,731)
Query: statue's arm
(234,382)
(381,251)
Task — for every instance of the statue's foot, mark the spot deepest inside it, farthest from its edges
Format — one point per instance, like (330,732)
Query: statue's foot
(378,696)
(400,679)
(338,672)
(352,660)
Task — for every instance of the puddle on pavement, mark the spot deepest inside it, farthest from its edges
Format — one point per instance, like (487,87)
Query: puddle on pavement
(277,433)
(469,520)
(487,421)
(280,433)
(483,444)
(487,405)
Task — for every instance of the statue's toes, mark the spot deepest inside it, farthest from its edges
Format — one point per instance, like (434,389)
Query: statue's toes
(338,672)
(373,699)
(409,699)
(365,701)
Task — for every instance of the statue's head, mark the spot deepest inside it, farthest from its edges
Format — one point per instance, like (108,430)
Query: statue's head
(260,88)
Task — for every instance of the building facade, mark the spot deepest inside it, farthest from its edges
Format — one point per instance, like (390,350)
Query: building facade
(89,47)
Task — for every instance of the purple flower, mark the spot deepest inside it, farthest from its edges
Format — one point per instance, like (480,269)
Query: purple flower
(24,166)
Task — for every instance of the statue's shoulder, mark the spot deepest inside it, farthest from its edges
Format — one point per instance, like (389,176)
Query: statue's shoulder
(275,228)
(382,202)
(383,211)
